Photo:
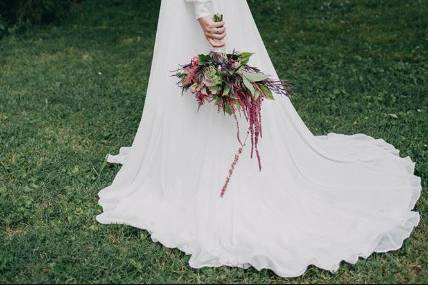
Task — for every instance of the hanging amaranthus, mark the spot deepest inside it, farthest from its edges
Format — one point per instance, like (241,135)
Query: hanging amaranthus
(234,87)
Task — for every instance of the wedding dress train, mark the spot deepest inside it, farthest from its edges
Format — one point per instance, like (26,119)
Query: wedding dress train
(318,199)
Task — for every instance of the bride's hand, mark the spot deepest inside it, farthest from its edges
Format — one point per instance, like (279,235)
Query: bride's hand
(215,32)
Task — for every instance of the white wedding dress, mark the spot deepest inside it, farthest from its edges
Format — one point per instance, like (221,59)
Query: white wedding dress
(318,199)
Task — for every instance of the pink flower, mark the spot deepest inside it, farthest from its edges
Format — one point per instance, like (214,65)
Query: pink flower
(195,60)
(190,77)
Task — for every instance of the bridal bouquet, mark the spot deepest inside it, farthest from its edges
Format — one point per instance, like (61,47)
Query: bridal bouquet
(234,87)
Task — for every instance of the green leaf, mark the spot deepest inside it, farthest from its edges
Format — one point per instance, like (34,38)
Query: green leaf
(215,89)
(254,77)
(244,57)
(204,59)
(218,100)
(226,90)
(266,91)
(239,71)
(249,86)
(227,108)
(218,17)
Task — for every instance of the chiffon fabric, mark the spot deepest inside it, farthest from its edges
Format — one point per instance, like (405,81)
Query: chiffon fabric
(318,200)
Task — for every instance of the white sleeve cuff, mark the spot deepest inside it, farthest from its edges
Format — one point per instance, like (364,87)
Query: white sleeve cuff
(202,8)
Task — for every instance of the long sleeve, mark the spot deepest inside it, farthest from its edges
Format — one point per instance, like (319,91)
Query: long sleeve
(202,7)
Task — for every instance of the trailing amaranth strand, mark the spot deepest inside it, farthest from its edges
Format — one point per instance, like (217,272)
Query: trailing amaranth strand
(234,87)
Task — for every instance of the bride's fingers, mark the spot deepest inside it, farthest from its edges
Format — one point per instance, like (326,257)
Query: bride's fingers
(217,36)
(216,43)
(216,33)
(218,24)
(217,30)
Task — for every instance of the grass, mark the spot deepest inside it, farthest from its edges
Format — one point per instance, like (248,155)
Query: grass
(72,93)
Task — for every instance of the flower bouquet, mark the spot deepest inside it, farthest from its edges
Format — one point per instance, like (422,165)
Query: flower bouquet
(234,87)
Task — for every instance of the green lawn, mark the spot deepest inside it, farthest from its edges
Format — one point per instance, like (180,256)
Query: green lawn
(71,93)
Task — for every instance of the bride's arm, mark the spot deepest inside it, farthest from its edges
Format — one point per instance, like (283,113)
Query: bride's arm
(214,32)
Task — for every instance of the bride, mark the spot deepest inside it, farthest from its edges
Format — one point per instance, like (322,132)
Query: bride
(318,200)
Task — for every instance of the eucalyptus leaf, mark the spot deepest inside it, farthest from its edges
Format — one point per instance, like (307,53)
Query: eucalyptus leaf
(240,71)
(254,77)
(226,90)
(266,91)
(249,86)
(244,57)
